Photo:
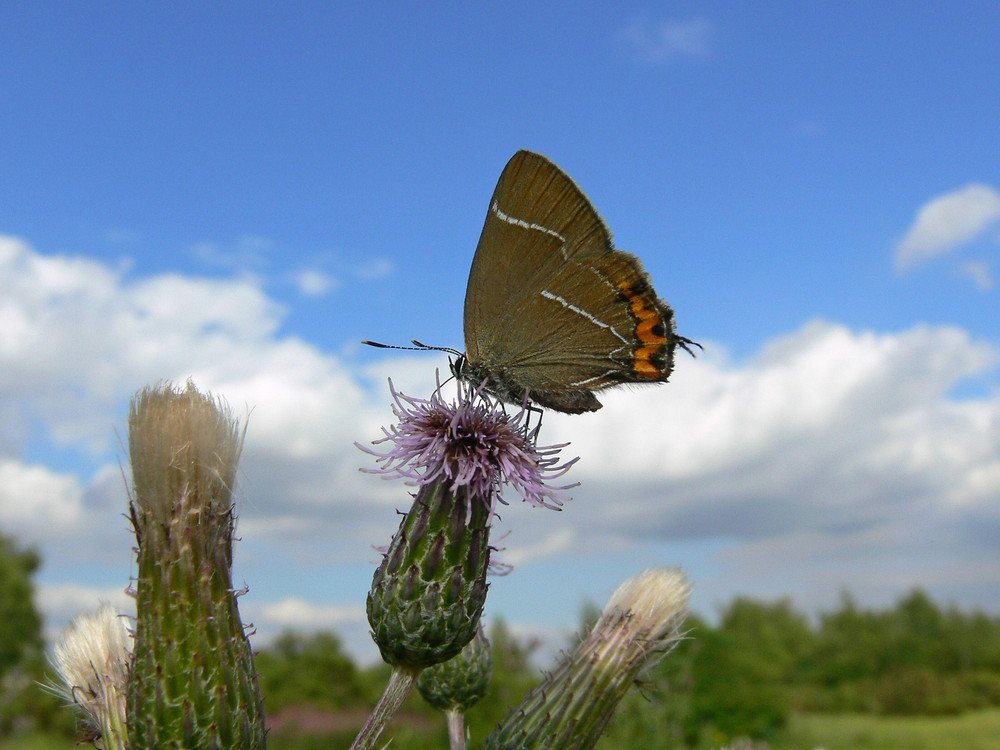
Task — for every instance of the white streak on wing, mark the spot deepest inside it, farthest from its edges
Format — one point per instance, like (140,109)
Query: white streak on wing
(596,377)
(568,305)
(526,224)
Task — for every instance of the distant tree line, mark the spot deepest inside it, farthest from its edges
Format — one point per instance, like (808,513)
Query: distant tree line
(764,660)
(22,659)
(741,677)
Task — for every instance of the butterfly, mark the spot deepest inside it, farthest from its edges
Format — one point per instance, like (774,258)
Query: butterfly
(553,311)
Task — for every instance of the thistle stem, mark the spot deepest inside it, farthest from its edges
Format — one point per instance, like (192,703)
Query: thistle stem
(401,682)
(456,729)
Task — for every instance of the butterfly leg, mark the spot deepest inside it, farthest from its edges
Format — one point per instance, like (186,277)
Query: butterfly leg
(532,409)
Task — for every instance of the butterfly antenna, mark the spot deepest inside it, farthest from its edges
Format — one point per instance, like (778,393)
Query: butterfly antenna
(447,349)
(686,345)
(417,348)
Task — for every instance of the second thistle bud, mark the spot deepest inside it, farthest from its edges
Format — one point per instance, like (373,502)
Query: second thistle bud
(459,683)
(93,658)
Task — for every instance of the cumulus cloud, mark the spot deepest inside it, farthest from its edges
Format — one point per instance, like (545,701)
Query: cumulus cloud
(829,446)
(62,602)
(823,428)
(36,502)
(300,614)
(947,222)
(667,40)
(845,446)
(79,338)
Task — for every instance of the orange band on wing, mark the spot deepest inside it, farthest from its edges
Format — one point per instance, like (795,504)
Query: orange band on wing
(649,330)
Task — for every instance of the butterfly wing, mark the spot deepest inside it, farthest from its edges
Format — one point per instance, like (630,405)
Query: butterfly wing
(551,306)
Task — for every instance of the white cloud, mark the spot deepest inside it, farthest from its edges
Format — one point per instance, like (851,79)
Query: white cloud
(35,501)
(248,251)
(947,222)
(300,614)
(560,541)
(715,414)
(78,338)
(313,283)
(979,272)
(667,40)
(62,602)
(824,426)
(827,443)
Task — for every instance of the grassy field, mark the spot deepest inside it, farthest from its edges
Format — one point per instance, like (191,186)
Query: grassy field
(973,731)
(979,730)
(37,742)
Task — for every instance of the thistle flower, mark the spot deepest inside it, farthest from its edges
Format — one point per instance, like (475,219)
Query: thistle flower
(573,705)
(471,442)
(92,660)
(428,593)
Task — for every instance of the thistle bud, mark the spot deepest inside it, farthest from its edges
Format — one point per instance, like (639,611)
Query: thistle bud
(428,593)
(92,658)
(456,685)
(574,704)
(193,681)
(459,683)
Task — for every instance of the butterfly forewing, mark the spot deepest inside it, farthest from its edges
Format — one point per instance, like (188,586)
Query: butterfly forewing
(537,219)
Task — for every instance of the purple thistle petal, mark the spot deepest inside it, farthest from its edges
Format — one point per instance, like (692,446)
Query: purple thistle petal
(470,443)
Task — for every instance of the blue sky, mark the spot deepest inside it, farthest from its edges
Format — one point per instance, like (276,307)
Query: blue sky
(240,193)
